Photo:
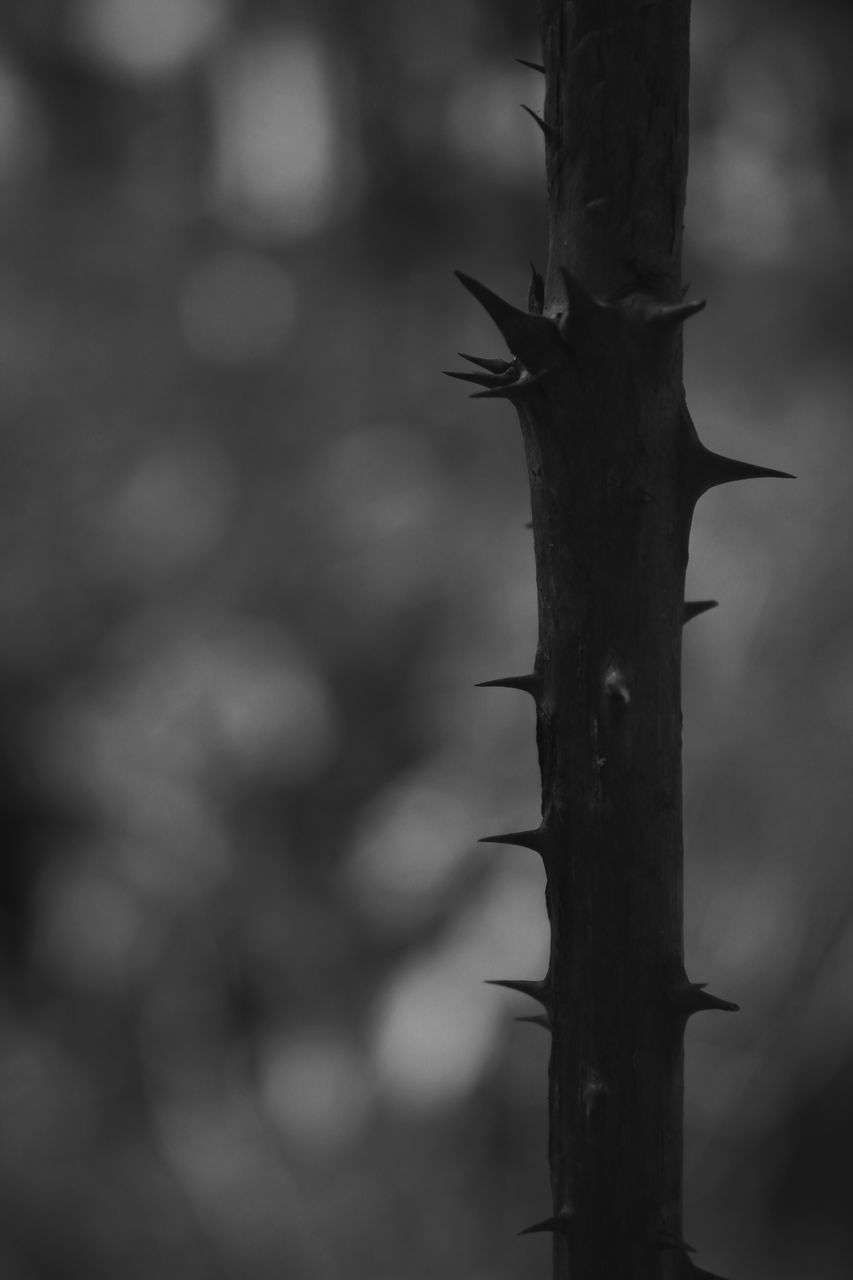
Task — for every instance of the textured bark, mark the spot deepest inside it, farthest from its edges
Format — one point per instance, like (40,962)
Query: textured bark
(615,468)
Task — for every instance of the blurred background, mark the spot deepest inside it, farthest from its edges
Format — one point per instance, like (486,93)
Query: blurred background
(255,553)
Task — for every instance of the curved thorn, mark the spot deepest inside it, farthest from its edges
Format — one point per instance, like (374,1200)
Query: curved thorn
(560,1224)
(691,997)
(692,608)
(492,366)
(536,839)
(534,66)
(538,1020)
(538,989)
(548,132)
(480,379)
(536,292)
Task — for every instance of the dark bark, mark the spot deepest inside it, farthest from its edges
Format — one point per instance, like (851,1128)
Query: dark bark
(611,554)
(615,468)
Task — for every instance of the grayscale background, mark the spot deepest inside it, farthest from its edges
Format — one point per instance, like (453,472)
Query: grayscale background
(255,553)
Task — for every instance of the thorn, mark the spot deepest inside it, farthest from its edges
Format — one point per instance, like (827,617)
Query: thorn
(492,366)
(615,685)
(538,1020)
(539,989)
(666,1240)
(512,390)
(598,205)
(560,1223)
(691,997)
(534,66)
(481,379)
(537,840)
(667,316)
(702,469)
(536,292)
(549,133)
(692,608)
(531,338)
(712,469)
(527,684)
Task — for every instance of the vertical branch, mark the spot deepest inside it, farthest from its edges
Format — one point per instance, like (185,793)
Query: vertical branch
(615,468)
(611,553)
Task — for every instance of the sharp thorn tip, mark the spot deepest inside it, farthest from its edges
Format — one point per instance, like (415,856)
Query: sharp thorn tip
(532,338)
(693,608)
(559,1223)
(535,839)
(527,684)
(665,315)
(713,469)
(538,989)
(691,997)
(490,365)
(534,115)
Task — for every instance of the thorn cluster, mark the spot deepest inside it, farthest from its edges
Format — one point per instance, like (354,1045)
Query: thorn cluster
(532,339)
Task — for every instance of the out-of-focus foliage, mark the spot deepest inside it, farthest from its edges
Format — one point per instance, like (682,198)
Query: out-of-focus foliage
(255,554)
